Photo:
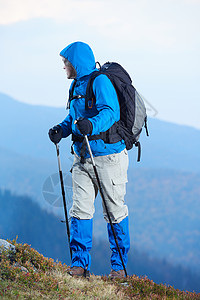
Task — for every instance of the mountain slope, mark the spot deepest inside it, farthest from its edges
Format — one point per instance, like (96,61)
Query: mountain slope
(43,278)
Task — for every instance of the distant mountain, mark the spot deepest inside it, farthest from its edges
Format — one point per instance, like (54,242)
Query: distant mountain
(44,232)
(24,174)
(27,156)
(170,146)
(163,190)
(25,127)
(24,130)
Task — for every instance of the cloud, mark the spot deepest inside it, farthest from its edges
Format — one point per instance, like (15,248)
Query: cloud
(193,2)
(12,11)
(140,22)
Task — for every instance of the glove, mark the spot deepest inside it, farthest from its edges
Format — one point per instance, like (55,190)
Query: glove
(55,134)
(84,126)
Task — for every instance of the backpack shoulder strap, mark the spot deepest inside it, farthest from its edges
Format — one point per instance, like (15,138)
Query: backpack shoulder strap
(90,97)
(71,92)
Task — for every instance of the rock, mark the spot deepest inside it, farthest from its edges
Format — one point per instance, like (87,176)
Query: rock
(4,245)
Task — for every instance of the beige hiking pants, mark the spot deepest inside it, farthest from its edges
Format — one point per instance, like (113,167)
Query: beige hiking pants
(112,171)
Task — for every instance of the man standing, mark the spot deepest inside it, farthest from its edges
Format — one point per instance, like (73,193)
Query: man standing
(97,121)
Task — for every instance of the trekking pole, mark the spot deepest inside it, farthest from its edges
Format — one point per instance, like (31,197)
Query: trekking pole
(104,202)
(63,196)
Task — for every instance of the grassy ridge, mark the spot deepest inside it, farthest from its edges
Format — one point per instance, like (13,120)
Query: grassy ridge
(42,278)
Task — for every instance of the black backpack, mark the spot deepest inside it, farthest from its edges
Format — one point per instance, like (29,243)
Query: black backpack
(132,108)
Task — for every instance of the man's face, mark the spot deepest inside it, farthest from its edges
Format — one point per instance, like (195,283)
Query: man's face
(70,71)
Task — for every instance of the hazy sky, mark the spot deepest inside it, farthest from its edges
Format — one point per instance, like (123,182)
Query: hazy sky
(158,42)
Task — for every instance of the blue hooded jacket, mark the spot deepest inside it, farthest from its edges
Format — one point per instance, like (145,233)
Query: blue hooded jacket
(105,111)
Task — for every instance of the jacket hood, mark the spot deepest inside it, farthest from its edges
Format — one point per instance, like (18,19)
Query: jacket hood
(81,57)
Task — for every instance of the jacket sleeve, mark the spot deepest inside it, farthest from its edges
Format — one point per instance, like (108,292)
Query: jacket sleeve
(107,105)
(66,125)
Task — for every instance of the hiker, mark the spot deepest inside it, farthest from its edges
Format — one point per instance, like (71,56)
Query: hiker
(111,160)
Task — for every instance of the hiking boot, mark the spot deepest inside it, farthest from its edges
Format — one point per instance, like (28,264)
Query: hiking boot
(78,272)
(116,274)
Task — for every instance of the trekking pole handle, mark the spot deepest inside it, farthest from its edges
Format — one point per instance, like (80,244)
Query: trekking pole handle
(58,155)
(88,145)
